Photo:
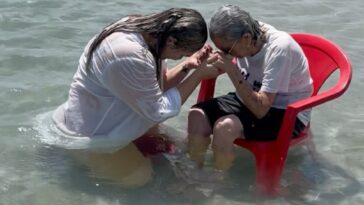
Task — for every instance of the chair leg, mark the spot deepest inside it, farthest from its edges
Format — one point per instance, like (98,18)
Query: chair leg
(268,174)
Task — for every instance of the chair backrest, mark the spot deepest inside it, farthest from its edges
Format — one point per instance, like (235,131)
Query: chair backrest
(324,58)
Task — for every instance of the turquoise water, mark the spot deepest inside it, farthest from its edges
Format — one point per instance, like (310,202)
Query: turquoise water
(40,43)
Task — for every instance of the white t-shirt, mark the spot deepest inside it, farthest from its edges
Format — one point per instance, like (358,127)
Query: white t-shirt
(119,99)
(280,67)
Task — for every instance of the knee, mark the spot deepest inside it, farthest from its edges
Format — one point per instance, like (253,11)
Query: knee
(227,129)
(228,125)
(198,122)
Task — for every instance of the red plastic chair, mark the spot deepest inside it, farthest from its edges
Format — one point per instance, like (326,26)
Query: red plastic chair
(324,58)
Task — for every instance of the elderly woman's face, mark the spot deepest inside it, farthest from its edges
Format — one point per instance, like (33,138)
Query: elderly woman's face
(237,48)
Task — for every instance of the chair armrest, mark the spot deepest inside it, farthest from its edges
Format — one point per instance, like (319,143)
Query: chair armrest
(318,99)
(330,94)
(207,89)
(294,108)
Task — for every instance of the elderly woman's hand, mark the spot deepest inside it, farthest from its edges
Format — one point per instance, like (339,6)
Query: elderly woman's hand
(224,61)
(207,69)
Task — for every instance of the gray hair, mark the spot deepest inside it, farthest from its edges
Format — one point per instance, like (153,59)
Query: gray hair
(187,26)
(231,22)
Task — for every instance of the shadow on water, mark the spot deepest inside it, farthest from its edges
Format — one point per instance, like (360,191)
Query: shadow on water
(308,178)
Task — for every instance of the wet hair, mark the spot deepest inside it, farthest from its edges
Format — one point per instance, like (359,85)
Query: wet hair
(231,22)
(187,26)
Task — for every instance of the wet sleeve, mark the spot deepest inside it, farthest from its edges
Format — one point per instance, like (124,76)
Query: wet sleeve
(133,80)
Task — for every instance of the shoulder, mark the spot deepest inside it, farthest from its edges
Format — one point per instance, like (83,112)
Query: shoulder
(277,38)
(129,46)
(281,42)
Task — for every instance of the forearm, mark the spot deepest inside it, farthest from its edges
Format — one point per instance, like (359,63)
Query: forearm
(258,103)
(174,76)
(188,85)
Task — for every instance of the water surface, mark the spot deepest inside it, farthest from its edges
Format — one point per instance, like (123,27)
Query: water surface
(40,43)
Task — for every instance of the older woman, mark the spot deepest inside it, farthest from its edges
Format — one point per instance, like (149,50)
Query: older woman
(271,72)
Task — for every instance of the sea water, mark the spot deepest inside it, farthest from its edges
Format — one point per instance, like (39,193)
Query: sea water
(40,43)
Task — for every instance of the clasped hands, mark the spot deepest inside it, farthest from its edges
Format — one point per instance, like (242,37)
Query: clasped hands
(209,63)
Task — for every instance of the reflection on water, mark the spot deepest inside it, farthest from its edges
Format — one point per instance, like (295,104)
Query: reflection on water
(41,41)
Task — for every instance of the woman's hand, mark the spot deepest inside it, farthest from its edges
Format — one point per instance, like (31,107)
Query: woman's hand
(208,69)
(198,58)
(224,61)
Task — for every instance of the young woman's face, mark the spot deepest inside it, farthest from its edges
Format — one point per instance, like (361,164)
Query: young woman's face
(171,52)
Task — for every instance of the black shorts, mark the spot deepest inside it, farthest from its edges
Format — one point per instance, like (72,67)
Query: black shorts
(264,129)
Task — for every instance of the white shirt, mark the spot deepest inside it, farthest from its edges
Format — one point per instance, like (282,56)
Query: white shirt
(119,99)
(280,67)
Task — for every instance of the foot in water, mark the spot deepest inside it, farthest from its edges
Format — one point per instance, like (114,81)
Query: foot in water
(198,175)
(190,172)
(195,183)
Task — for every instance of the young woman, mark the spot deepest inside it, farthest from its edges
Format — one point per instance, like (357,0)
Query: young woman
(271,72)
(122,88)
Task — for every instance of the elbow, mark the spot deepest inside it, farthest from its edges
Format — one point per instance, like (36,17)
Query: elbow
(261,113)
(263,105)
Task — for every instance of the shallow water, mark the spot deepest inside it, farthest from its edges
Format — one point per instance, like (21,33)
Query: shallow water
(40,42)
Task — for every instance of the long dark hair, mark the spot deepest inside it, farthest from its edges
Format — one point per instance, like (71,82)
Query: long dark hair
(187,26)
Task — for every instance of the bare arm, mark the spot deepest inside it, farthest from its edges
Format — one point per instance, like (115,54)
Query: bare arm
(205,70)
(191,82)
(258,103)
(175,75)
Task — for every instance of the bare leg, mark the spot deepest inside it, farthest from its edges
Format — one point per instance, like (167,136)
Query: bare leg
(126,167)
(226,130)
(199,131)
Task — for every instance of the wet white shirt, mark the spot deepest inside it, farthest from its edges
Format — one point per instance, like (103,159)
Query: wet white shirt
(119,99)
